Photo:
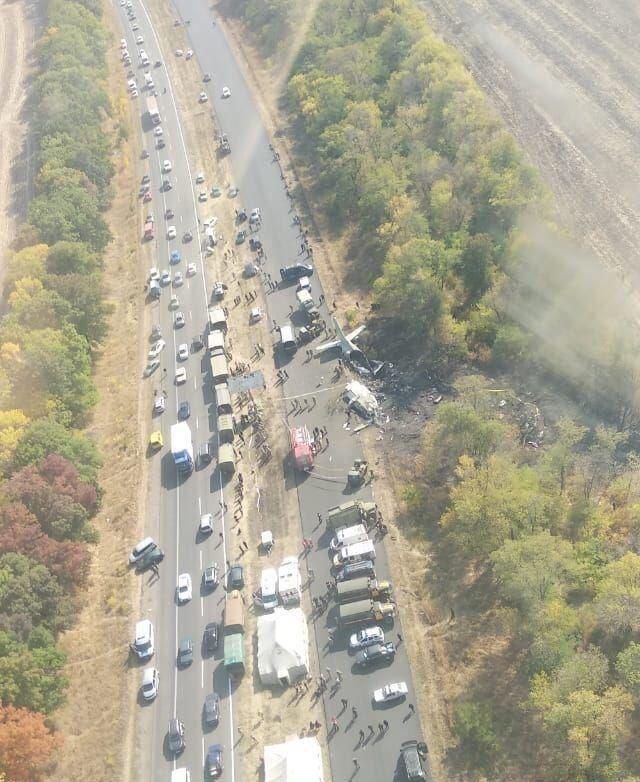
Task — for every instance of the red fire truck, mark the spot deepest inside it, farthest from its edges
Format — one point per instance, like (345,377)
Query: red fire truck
(301,448)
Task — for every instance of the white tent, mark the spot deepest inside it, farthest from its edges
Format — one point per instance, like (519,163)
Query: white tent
(297,760)
(283,646)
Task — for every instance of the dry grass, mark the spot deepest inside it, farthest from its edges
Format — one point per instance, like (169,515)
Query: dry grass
(96,720)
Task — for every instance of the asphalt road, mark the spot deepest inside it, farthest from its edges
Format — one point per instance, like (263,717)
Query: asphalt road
(257,174)
(180,503)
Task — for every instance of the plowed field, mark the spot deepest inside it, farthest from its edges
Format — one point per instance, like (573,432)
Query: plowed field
(565,77)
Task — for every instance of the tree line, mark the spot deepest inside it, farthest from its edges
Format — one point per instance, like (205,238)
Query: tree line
(547,542)
(55,319)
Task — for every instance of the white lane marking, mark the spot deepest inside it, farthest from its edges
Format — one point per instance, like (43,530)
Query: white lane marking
(199,505)
(200,559)
(195,383)
(201,602)
(202,679)
(197,419)
(203,751)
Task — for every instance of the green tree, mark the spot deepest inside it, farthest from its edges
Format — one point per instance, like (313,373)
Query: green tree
(628,668)
(46,436)
(534,569)
(84,296)
(617,602)
(32,677)
(72,258)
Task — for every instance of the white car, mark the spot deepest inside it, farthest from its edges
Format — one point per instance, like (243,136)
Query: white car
(366,637)
(139,40)
(185,590)
(174,303)
(226,92)
(206,523)
(135,28)
(166,167)
(189,54)
(171,232)
(191,269)
(255,315)
(157,131)
(178,279)
(154,274)
(157,348)
(150,683)
(158,405)
(179,320)
(199,178)
(134,93)
(179,52)
(183,351)
(181,376)
(203,97)
(123,43)
(166,277)
(255,216)
(203,195)
(391,692)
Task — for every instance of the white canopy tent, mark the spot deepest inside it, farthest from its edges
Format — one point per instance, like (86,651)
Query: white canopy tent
(283,647)
(297,760)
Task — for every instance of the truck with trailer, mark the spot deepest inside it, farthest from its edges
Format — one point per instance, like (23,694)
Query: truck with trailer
(350,513)
(361,588)
(364,611)
(182,447)
(152,110)
(289,582)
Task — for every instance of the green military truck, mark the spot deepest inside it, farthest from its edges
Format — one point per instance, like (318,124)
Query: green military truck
(350,513)
(364,611)
(361,588)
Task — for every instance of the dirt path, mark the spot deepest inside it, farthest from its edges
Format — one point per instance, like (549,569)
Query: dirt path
(565,77)
(16,41)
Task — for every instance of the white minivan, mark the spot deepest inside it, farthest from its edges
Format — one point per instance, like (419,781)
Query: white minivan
(140,549)
(143,644)
(357,552)
(180,775)
(347,536)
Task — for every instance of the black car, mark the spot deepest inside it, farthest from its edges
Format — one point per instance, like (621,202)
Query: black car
(184,411)
(254,244)
(212,708)
(166,185)
(187,236)
(236,577)
(214,764)
(176,736)
(205,453)
(291,273)
(210,637)
(152,557)
(210,577)
(207,77)
(185,652)
(357,570)
(375,653)
(160,144)
(197,343)
(146,179)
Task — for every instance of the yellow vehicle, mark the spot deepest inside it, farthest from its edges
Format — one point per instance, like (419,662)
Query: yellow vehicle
(155,441)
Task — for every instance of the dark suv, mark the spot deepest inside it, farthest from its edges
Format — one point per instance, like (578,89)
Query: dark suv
(176,736)
(410,752)
(291,273)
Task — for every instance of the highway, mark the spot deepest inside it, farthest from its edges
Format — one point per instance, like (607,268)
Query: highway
(257,174)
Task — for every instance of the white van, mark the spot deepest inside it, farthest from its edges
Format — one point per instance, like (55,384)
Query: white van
(180,775)
(357,552)
(148,80)
(215,343)
(140,549)
(305,299)
(143,644)
(288,338)
(347,536)
(269,589)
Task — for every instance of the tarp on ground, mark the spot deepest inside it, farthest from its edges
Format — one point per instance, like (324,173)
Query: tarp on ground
(283,646)
(296,760)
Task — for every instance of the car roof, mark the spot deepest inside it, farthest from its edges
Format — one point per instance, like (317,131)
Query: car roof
(186,643)
(214,749)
